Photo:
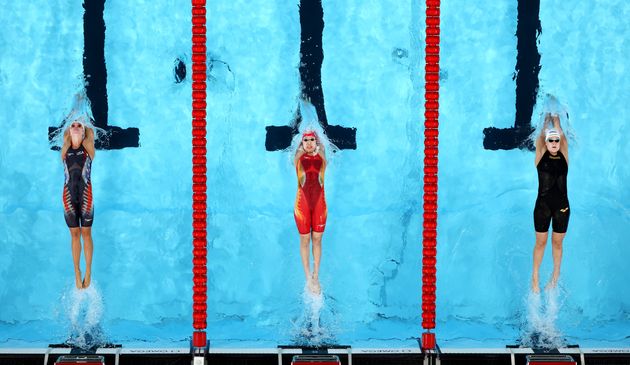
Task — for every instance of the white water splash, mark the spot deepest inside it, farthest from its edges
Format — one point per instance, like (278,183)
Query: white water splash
(313,303)
(311,122)
(550,104)
(82,111)
(309,330)
(85,310)
(542,313)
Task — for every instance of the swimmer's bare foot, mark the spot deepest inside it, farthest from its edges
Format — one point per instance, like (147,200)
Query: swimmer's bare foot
(535,286)
(309,284)
(552,284)
(316,288)
(77,279)
(87,280)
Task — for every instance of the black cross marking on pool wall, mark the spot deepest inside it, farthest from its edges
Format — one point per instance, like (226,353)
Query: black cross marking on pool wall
(527,68)
(95,74)
(311,58)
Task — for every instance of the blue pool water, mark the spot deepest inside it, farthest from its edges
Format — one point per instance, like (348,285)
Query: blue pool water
(372,81)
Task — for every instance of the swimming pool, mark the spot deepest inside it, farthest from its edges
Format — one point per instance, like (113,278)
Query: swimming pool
(372,81)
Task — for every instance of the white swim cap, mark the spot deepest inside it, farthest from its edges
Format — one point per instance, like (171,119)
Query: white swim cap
(552,133)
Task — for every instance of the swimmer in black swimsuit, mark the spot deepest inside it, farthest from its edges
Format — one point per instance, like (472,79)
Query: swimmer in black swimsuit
(552,203)
(77,154)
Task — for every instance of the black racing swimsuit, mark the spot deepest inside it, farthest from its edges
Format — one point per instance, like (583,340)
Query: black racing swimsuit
(78,206)
(552,202)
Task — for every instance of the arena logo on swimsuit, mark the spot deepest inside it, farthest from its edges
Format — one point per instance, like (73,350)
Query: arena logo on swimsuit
(95,74)
(526,74)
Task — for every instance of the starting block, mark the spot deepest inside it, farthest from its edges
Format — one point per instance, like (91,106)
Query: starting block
(550,360)
(80,359)
(315,360)
(305,355)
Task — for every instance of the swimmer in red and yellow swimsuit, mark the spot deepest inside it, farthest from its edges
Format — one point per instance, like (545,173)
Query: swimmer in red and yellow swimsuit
(310,204)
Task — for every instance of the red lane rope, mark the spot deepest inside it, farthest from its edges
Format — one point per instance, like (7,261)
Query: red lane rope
(431,114)
(200,278)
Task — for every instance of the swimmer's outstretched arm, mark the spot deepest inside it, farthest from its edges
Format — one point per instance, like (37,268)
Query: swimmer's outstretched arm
(88,142)
(541,147)
(66,144)
(556,125)
(321,151)
(548,124)
(298,153)
(555,119)
(564,141)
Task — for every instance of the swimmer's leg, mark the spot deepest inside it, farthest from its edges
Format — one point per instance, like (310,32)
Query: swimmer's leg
(317,256)
(75,234)
(539,252)
(556,242)
(305,242)
(86,233)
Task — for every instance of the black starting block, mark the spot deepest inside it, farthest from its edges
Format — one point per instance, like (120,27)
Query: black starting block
(550,359)
(315,360)
(80,359)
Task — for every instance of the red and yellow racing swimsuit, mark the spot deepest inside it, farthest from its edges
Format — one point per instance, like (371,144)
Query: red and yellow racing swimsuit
(310,204)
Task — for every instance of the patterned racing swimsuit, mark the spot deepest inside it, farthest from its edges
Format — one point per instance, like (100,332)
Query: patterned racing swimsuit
(77,190)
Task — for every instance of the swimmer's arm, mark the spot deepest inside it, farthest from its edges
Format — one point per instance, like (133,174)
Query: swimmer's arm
(558,127)
(321,151)
(298,153)
(564,141)
(88,142)
(540,147)
(548,122)
(66,144)
(556,122)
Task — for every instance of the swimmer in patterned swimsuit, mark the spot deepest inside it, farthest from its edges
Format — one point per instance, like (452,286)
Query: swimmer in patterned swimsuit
(310,204)
(552,203)
(77,154)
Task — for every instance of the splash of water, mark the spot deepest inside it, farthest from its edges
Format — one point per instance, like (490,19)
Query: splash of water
(542,312)
(84,309)
(310,122)
(550,104)
(309,330)
(81,110)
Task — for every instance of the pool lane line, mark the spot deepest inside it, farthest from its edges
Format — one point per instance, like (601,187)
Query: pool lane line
(199,343)
(431,124)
